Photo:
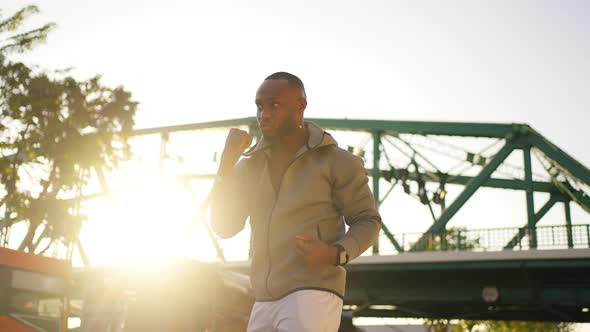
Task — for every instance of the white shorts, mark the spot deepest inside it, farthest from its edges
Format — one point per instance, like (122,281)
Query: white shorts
(300,311)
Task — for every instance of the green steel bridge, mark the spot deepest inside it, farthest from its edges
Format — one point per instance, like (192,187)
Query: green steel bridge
(525,270)
(564,179)
(528,272)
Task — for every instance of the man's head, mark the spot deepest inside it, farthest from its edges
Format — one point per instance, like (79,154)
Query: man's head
(280,102)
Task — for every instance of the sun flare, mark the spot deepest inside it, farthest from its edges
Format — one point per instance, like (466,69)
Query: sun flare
(152,211)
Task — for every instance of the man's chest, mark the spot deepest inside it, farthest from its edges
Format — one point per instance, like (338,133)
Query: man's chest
(289,178)
(277,166)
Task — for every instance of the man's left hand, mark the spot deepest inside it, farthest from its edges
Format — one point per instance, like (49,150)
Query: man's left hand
(316,253)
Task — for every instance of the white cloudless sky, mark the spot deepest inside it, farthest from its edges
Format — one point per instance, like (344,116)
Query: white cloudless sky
(475,61)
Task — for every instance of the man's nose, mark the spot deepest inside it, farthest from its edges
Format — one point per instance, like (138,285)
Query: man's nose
(264,114)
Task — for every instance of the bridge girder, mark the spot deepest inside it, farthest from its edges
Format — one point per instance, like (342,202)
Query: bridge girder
(515,136)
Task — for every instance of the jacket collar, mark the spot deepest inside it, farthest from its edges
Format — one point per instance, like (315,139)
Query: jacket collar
(317,138)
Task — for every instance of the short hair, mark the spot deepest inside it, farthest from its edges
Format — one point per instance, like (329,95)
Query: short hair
(293,80)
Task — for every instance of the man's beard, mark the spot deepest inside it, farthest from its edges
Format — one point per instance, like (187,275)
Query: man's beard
(288,128)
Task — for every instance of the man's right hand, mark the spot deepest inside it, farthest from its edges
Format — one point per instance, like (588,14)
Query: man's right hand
(236,143)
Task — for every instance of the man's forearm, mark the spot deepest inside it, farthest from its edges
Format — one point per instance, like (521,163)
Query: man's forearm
(228,212)
(362,234)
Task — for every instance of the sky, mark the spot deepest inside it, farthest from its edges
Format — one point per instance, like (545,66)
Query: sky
(472,61)
(468,61)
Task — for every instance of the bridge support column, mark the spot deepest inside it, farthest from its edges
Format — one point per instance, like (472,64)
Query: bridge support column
(568,223)
(530,202)
(376,176)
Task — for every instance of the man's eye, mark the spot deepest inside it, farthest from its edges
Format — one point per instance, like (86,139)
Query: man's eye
(259,107)
(275,105)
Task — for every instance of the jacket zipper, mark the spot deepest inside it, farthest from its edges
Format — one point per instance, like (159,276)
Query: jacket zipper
(270,218)
(267,241)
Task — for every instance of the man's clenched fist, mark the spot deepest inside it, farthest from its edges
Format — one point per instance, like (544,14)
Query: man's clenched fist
(236,143)
(315,253)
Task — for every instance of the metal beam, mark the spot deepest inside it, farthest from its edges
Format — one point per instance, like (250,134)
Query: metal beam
(539,186)
(391,238)
(568,223)
(469,190)
(530,201)
(513,184)
(538,216)
(376,175)
(423,128)
(571,165)
(492,130)
(581,198)
(197,126)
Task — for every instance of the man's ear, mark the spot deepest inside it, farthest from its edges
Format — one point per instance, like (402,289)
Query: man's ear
(302,104)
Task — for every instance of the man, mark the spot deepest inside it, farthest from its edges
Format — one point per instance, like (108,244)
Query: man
(299,189)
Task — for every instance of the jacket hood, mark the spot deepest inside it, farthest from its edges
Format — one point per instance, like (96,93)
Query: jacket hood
(317,138)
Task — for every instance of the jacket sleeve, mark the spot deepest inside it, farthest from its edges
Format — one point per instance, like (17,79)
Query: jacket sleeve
(355,202)
(229,202)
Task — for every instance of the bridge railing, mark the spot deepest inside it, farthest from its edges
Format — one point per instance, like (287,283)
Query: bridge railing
(496,239)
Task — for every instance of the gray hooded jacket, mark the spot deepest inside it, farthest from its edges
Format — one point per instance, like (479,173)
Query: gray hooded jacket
(323,188)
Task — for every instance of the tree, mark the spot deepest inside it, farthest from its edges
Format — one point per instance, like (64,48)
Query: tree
(454,238)
(445,325)
(54,130)
(21,41)
(521,326)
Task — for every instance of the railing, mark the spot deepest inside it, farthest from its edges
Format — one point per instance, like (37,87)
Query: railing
(495,239)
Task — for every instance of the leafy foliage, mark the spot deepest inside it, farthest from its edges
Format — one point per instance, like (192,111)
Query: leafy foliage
(520,326)
(454,238)
(445,325)
(21,41)
(53,130)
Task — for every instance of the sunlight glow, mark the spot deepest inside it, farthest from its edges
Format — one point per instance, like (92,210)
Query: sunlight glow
(151,213)
(145,225)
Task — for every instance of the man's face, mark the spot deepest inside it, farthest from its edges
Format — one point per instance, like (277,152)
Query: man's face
(279,108)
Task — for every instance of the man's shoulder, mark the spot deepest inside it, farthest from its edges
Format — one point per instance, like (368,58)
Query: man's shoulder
(342,157)
(339,152)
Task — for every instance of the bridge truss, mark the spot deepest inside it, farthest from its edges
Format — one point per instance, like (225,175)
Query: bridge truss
(407,154)
(440,165)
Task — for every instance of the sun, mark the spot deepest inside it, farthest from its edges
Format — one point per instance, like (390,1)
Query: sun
(153,210)
(150,224)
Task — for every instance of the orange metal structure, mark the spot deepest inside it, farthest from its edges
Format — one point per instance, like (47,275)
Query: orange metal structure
(33,292)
